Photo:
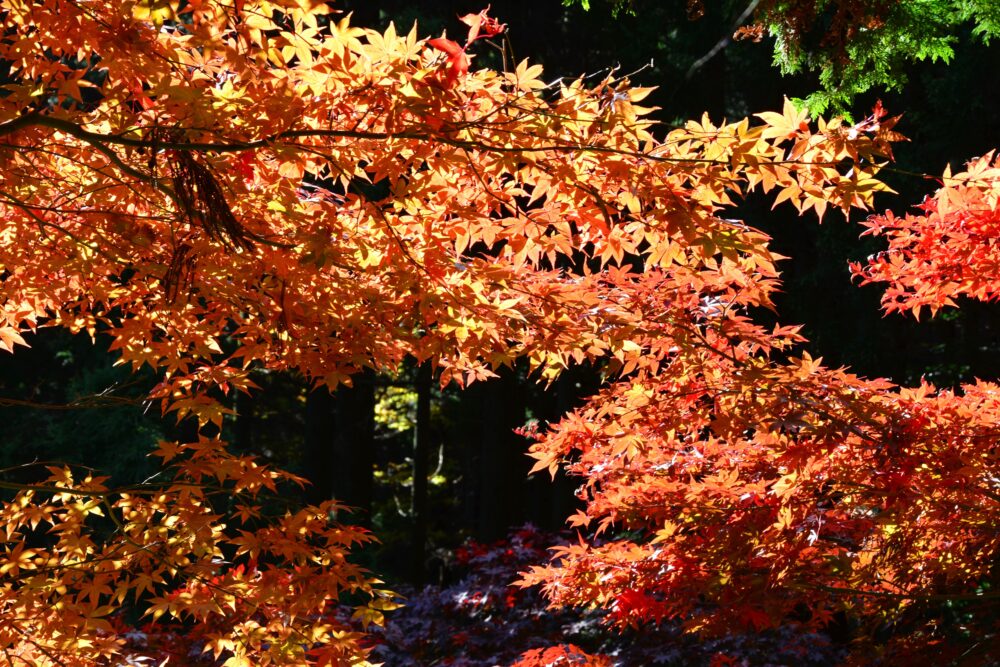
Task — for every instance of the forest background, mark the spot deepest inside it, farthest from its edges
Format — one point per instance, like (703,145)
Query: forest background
(428,469)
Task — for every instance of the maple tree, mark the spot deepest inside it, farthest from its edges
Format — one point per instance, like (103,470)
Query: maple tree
(222,187)
(759,487)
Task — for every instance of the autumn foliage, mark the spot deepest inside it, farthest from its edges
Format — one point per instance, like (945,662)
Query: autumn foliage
(221,187)
(946,251)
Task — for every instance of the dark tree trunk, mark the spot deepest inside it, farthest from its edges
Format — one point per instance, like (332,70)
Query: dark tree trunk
(319,455)
(552,500)
(502,465)
(340,445)
(243,426)
(421,463)
(354,446)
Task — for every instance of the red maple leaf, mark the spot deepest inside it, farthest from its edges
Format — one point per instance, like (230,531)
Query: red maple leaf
(481,26)
(244,166)
(457,63)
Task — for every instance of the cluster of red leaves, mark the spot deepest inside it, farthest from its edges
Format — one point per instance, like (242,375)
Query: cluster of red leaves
(478,619)
(756,490)
(951,249)
(557,656)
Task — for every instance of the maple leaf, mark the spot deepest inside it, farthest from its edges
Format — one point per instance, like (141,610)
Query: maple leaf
(10,337)
(456,63)
(481,26)
(244,166)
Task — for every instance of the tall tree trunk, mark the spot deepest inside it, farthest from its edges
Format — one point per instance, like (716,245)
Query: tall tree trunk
(354,446)
(243,426)
(421,462)
(319,455)
(550,500)
(502,466)
(340,445)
